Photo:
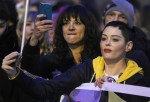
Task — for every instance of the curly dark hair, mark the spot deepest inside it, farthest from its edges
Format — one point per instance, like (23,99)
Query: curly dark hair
(92,35)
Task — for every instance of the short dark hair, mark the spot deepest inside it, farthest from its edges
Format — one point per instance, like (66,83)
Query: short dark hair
(126,31)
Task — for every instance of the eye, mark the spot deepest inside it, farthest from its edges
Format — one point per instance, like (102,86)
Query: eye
(103,38)
(115,39)
(78,22)
(65,21)
(123,17)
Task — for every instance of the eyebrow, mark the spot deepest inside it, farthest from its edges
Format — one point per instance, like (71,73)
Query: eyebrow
(112,35)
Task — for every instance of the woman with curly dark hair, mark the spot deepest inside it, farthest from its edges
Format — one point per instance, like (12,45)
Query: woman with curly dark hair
(76,40)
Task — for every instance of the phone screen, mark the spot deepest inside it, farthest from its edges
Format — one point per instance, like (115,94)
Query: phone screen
(46,8)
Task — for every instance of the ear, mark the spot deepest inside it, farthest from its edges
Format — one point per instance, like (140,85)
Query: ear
(129,46)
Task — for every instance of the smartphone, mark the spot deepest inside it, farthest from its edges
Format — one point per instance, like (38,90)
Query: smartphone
(17,63)
(46,9)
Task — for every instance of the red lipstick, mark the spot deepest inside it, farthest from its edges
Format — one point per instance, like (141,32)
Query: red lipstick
(107,50)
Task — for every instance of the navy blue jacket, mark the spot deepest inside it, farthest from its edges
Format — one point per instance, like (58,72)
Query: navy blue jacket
(69,80)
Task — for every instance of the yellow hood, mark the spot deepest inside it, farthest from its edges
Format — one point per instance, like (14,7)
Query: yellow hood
(132,69)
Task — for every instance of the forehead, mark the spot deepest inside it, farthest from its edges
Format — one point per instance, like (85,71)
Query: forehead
(116,12)
(72,17)
(110,30)
(72,14)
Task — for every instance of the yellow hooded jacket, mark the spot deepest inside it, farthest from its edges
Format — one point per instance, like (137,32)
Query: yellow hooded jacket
(132,69)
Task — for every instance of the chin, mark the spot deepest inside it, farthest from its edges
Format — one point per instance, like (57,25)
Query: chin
(108,57)
(71,43)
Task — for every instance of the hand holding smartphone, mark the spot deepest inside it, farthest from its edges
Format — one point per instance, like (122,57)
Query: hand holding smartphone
(46,9)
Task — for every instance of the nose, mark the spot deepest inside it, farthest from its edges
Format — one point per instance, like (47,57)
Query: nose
(108,43)
(116,18)
(71,27)
(32,26)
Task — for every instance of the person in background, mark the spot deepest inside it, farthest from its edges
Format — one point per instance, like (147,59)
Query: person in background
(93,8)
(74,39)
(8,36)
(29,26)
(20,7)
(115,43)
(8,43)
(34,6)
(45,40)
(13,21)
(145,13)
(48,44)
(122,10)
(75,46)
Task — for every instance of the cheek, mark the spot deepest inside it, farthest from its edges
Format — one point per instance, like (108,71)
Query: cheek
(27,36)
(65,36)
(64,28)
(102,44)
(82,34)
(64,31)
(119,48)
(28,29)
(123,20)
(108,19)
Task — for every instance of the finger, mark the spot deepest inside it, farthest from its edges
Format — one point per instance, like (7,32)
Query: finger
(48,22)
(44,22)
(48,27)
(39,16)
(42,30)
(11,56)
(8,62)
(103,79)
(37,23)
(99,82)
(6,67)
(9,70)
(95,83)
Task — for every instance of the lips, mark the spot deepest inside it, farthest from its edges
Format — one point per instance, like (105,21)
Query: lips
(107,50)
(72,34)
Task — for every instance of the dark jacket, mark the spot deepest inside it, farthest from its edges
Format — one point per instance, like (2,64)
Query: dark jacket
(139,52)
(8,91)
(69,80)
(44,65)
(8,42)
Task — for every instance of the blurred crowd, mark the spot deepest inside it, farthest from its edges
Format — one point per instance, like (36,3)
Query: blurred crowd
(97,8)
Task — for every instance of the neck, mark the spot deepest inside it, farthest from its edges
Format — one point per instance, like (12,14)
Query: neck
(76,45)
(115,68)
(76,52)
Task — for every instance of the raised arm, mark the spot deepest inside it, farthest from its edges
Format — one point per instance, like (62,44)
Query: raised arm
(40,28)
(42,88)
(31,59)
